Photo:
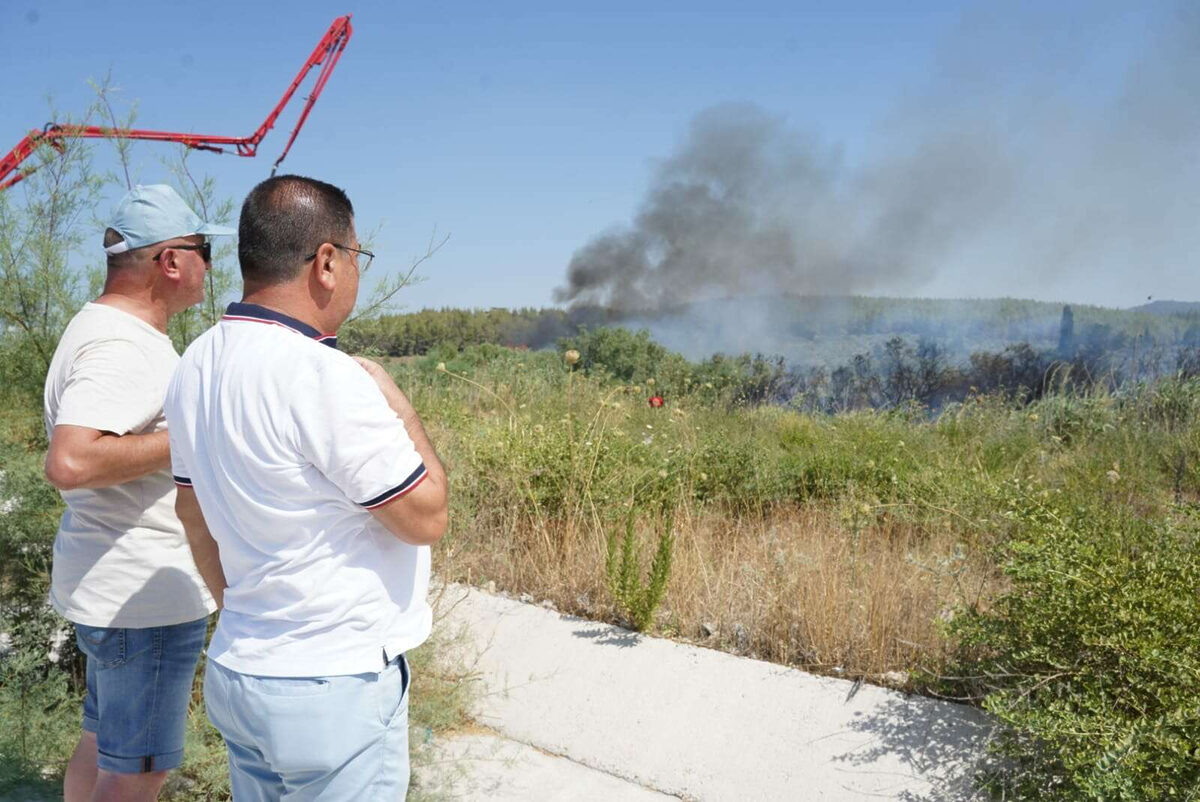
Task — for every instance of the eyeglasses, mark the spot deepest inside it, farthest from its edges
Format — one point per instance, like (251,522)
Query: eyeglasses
(358,251)
(205,251)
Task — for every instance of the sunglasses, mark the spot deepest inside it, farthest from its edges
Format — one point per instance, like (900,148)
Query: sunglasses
(205,251)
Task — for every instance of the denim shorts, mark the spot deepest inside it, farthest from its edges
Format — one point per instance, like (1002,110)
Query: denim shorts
(333,739)
(139,684)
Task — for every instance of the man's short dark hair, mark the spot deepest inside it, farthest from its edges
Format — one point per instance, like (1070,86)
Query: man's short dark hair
(284,219)
(117,260)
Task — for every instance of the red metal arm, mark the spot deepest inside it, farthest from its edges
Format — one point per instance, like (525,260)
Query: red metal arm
(326,54)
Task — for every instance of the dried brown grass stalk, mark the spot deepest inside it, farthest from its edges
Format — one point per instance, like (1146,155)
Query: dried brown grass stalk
(804,586)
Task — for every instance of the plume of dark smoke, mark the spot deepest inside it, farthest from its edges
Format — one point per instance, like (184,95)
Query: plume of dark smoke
(1003,178)
(730,210)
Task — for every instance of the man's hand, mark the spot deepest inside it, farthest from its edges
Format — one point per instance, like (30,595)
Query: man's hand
(395,398)
(377,371)
(420,517)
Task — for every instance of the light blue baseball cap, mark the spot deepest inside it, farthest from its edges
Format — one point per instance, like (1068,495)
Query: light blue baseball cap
(154,213)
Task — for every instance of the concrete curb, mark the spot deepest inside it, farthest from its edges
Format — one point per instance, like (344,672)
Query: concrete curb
(497,769)
(703,724)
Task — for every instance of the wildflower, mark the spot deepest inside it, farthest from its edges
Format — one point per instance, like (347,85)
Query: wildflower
(1113,476)
(650,382)
(703,477)
(571,357)
(656,401)
(441,367)
(708,385)
(649,426)
(662,474)
(539,428)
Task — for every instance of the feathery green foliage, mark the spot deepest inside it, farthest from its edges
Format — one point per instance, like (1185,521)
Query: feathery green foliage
(638,598)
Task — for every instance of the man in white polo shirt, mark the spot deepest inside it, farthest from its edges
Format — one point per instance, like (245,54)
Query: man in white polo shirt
(310,495)
(122,571)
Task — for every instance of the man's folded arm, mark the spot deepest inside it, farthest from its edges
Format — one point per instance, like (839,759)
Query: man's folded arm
(81,457)
(108,395)
(205,552)
(358,429)
(418,515)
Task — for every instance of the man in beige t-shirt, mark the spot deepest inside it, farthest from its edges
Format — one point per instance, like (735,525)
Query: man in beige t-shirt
(122,570)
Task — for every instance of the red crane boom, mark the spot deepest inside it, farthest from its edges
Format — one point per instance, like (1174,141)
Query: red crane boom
(325,54)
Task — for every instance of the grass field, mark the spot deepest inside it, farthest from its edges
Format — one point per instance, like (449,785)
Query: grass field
(1039,558)
(834,543)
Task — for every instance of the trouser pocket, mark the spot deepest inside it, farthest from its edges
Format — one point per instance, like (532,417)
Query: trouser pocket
(104,645)
(392,689)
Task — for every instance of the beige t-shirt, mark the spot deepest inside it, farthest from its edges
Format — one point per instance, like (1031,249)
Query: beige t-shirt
(120,557)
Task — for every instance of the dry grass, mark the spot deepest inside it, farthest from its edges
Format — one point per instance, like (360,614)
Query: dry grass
(837,543)
(810,586)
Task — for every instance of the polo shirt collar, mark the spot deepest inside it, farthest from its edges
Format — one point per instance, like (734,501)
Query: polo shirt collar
(239,310)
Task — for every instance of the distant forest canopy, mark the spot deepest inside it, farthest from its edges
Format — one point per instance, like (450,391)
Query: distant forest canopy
(807,331)
(830,353)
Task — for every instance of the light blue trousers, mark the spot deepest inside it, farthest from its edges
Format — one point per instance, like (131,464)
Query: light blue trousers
(297,739)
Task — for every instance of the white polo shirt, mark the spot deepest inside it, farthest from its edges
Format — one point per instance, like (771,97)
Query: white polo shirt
(288,443)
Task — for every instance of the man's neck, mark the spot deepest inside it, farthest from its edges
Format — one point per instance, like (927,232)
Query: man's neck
(140,305)
(297,305)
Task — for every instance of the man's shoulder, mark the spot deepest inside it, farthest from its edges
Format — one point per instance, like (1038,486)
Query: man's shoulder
(268,351)
(291,351)
(87,343)
(103,322)
(93,323)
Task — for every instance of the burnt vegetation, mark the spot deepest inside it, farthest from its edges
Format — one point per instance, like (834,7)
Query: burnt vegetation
(823,356)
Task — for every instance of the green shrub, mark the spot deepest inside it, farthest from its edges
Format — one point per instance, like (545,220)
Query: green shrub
(1091,660)
(39,714)
(745,379)
(630,357)
(636,598)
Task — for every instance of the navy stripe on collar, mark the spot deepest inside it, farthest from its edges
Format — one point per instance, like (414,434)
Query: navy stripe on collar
(254,313)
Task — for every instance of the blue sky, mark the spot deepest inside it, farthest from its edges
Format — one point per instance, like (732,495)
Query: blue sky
(525,129)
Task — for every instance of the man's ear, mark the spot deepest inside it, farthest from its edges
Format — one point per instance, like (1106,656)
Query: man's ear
(322,268)
(168,264)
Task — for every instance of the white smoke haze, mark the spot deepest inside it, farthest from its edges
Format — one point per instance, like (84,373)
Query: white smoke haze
(1004,177)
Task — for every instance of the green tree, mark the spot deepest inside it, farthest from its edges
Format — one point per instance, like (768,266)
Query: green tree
(43,227)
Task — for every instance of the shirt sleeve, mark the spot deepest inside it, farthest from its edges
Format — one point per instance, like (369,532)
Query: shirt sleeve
(109,389)
(179,471)
(346,429)
(175,411)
